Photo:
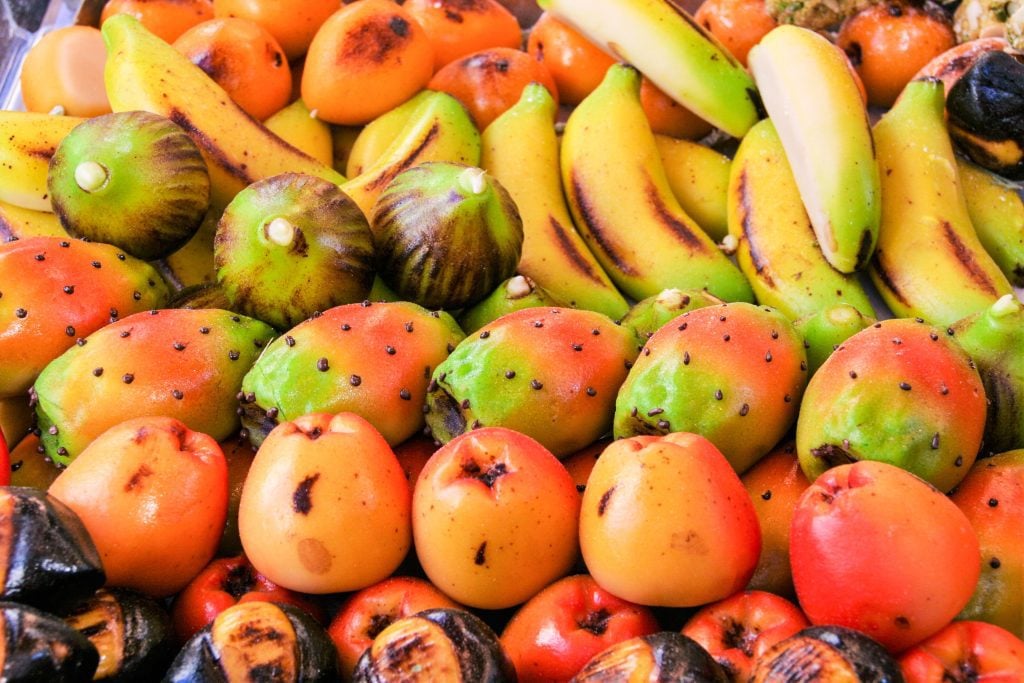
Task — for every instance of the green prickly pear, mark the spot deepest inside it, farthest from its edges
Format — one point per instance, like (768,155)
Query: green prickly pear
(550,373)
(372,359)
(648,315)
(513,294)
(994,339)
(825,330)
(54,291)
(733,373)
(901,392)
(176,362)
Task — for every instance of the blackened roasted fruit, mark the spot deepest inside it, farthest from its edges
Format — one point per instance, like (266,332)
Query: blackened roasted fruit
(447,234)
(827,653)
(291,245)
(48,553)
(258,641)
(132,632)
(441,644)
(662,656)
(986,114)
(38,646)
(132,179)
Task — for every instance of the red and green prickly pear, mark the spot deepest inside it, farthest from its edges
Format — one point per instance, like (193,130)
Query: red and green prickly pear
(647,316)
(900,392)
(54,291)
(550,373)
(733,373)
(181,363)
(992,497)
(994,339)
(374,360)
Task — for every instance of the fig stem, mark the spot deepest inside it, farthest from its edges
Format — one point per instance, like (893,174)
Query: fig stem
(1006,306)
(281,231)
(473,180)
(90,176)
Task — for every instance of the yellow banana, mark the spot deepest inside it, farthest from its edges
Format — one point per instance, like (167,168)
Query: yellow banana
(296,125)
(554,255)
(622,204)
(439,129)
(192,265)
(777,249)
(18,223)
(929,262)
(699,178)
(28,142)
(376,136)
(810,93)
(663,41)
(144,72)
(997,214)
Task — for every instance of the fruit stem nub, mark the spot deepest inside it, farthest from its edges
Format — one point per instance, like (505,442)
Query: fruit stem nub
(518,287)
(473,180)
(280,231)
(91,176)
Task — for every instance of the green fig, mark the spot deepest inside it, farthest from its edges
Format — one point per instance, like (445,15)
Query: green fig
(826,329)
(291,245)
(447,234)
(646,316)
(132,179)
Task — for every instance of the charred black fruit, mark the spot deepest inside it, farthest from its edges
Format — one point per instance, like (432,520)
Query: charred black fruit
(258,641)
(435,645)
(662,656)
(986,114)
(37,646)
(447,234)
(291,245)
(132,632)
(48,553)
(827,653)
(132,179)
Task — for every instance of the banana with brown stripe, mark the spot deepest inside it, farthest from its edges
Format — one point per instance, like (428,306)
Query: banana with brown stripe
(929,262)
(554,254)
(144,72)
(623,206)
(17,222)
(439,129)
(27,141)
(776,246)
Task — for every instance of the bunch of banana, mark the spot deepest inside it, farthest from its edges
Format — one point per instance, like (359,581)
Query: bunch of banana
(554,255)
(997,214)
(699,178)
(377,135)
(810,93)
(437,129)
(622,204)
(776,246)
(663,41)
(144,72)
(18,223)
(29,140)
(300,128)
(929,262)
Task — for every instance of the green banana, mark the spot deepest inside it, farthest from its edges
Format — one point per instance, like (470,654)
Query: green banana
(810,93)
(377,135)
(29,140)
(439,129)
(699,178)
(929,262)
(554,254)
(622,204)
(997,214)
(776,246)
(663,41)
